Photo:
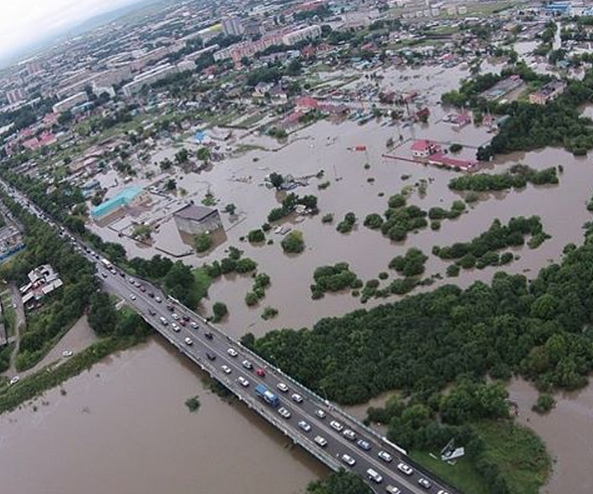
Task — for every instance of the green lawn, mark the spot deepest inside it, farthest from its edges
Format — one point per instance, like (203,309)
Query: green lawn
(517,451)
(203,282)
(461,475)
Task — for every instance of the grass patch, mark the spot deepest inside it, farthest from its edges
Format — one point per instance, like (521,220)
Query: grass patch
(519,453)
(462,475)
(202,283)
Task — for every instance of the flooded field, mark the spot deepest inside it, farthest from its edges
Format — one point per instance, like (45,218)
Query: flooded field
(567,433)
(328,146)
(124,427)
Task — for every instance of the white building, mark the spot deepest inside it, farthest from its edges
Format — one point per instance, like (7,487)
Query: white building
(232,26)
(42,281)
(306,33)
(70,102)
(147,78)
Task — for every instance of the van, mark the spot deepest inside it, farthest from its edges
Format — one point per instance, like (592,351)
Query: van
(374,476)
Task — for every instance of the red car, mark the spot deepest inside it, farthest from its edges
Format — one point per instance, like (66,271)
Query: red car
(182,322)
(260,372)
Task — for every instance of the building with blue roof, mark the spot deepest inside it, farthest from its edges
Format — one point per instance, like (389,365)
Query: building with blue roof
(131,196)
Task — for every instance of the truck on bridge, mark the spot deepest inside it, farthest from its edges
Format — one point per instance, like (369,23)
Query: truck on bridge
(266,395)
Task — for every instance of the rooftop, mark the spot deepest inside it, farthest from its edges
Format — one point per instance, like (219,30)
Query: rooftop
(193,212)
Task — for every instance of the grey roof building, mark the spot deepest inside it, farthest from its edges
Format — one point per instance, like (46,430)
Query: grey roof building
(194,219)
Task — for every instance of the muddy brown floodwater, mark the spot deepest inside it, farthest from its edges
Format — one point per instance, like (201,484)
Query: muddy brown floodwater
(123,427)
(568,433)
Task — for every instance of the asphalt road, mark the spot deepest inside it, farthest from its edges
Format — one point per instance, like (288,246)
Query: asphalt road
(144,298)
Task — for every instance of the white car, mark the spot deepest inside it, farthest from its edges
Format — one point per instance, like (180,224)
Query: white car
(320,413)
(175,327)
(305,426)
(247,364)
(425,483)
(348,460)
(284,412)
(67,353)
(175,316)
(406,469)
(385,456)
(194,324)
(392,490)
(14,380)
(188,341)
(232,352)
(336,425)
(282,387)
(348,434)
(158,300)
(132,297)
(442,492)
(321,441)
(242,381)
(226,369)
(297,398)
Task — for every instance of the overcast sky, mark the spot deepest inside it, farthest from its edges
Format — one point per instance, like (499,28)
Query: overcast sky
(23,22)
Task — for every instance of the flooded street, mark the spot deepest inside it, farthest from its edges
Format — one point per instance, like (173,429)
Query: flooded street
(124,428)
(567,433)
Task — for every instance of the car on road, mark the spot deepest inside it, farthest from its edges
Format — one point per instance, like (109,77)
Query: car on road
(163,321)
(175,316)
(305,426)
(321,441)
(374,476)
(158,300)
(169,307)
(232,352)
(67,353)
(385,456)
(284,413)
(320,413)
(350,435)
(242,381)
(137,284)
(104,274)
(175,327)
(210,356)
(336,425)
(392,490)
(282,387)
(142,288)
(151,312)
(194,325)
(208,336)
(297,398)
(442,492)
(14,380)
(424,483)
(132,297)
(362,444)
(182,322)
(185,317)
(150,294)
(406,469)
(226,369)
(260,372)
(131,280)
(247,364)
(188,341)
(348,460)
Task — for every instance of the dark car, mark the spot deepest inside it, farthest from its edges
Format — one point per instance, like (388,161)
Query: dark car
(260,372)
(182,322)
(210,356)
(169,307)
(151,295)
(208,335)
(151,312)
(185,318)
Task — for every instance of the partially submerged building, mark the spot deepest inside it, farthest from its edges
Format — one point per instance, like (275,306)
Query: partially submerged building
(192,219)
(129,197)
